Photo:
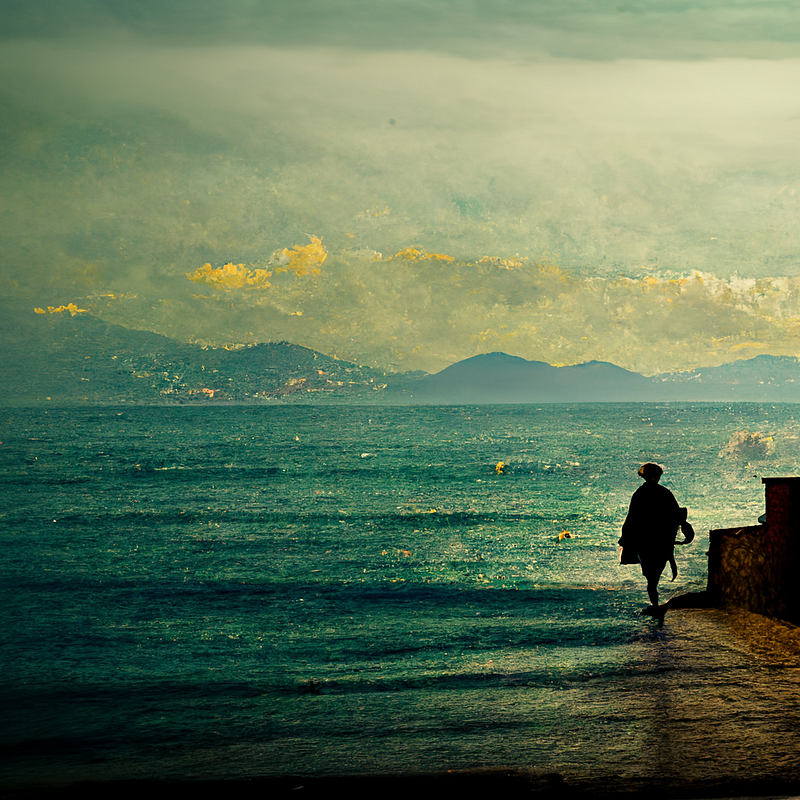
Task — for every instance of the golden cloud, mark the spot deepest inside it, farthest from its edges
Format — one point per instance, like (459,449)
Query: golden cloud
(302,260)
(414,254)
(231,276)
(71,307)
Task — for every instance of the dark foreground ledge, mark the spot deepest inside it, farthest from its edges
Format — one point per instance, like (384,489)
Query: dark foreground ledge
(495,782)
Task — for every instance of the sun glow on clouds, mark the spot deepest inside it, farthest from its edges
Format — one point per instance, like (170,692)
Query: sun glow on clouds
(417,310)
(70,307)
(301,260)
(231,276)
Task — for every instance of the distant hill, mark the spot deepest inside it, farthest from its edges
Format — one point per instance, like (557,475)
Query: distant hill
(763,379)
(500,378)
(58,358)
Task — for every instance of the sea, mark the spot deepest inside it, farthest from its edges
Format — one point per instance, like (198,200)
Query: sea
(231,591)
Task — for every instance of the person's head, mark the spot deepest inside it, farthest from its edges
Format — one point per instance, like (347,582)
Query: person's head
(650,472)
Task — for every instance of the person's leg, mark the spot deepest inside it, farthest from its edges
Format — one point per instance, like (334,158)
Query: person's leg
(652,588)
(652,569)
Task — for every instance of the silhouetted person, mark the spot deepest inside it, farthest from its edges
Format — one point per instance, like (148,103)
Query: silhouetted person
(648,534)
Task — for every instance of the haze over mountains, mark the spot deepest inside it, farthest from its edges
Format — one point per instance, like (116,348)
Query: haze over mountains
(58,358)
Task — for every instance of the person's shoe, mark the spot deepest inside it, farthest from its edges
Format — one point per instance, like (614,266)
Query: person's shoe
(656,612)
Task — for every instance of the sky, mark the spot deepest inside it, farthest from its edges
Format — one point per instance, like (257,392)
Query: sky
(408,183)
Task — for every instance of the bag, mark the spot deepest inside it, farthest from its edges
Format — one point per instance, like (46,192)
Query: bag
(688,532)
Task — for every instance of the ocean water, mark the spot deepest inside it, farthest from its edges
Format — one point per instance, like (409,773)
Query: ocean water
(240,591)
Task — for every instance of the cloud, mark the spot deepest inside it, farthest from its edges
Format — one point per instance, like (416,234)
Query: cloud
(231,276)
(601,167)
(302,259)
(133,162)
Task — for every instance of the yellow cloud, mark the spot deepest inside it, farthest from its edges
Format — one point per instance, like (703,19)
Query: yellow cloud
(413,254)
(302,260)
(231,276)
(71,307)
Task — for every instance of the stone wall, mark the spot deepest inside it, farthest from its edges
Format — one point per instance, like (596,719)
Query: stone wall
(756,567)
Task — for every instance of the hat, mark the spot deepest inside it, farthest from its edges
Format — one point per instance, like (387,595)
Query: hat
(650,470)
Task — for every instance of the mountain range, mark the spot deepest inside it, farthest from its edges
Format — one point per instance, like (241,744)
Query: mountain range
(501,378)
(64,359)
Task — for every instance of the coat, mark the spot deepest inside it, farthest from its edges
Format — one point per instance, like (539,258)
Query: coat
(648,533)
